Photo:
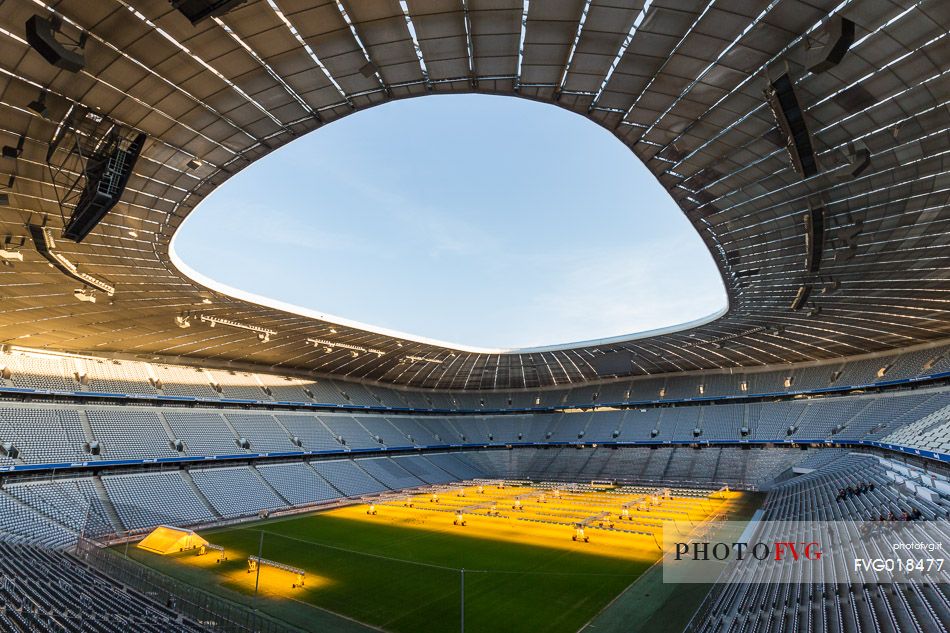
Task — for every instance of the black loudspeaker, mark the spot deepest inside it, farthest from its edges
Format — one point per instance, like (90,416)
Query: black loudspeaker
(814,235)
(791,123)
(198,10)
(801,297)
(41,35)
(10,151)
(834,39)
(859,159)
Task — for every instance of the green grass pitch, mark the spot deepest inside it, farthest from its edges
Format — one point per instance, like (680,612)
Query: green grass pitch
(400,572)
(530,589)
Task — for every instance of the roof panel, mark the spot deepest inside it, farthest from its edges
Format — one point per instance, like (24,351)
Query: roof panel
(683,90)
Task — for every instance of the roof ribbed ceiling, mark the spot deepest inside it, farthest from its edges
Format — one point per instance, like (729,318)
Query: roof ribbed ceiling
(680,83)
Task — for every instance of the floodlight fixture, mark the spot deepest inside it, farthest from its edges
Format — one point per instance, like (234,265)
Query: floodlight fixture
(330,345)
(85,295)
(46,246)
(11,151)
(261,332)
(422,359)
(38,105)
(8,255)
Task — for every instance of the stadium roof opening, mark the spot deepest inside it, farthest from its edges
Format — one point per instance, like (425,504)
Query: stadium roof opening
(479,220)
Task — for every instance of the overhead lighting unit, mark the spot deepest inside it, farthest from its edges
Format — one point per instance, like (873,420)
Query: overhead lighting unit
(10,256)
(263,334)
(859,159)
(422,359)
(10,151)
(10,249)
(774,328)
(330,345)
(84,294)
(38,105)
(832,286)
(46,246)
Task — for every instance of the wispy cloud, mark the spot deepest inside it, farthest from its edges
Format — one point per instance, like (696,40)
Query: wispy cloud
(279,228)
(626,289)
(438,226)
(468,224)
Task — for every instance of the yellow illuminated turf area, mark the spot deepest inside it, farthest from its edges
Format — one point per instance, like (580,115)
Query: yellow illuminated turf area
(546,520)
(394,561)
(168,540)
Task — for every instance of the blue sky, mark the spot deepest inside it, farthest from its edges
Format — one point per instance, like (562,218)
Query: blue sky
(477,220)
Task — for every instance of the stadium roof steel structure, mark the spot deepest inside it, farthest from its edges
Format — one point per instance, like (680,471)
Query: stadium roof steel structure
(681,82)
